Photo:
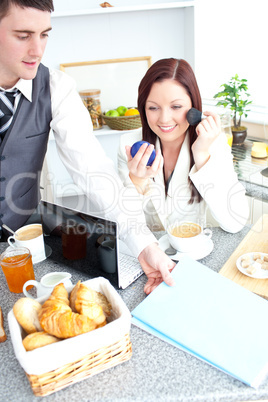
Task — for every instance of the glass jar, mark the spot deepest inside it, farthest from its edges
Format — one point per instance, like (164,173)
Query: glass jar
(91,99)
(17,266)
(226,124)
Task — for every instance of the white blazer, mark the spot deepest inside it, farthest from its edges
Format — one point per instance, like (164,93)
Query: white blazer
(216,181)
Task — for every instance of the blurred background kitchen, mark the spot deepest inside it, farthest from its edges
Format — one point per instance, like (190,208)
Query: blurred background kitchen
(219,38)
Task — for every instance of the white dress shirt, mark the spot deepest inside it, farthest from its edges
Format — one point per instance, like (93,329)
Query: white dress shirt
(85,160)
(216,181)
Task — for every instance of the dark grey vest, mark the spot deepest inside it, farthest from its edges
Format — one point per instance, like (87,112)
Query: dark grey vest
(22,154)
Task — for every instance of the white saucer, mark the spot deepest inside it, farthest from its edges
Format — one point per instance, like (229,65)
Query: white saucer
(206,246)
(48,251)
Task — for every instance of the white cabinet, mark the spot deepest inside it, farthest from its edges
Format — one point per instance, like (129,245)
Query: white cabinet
(158,29)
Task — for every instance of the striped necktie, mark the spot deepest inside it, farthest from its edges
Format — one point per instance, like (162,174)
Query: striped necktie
(7,100)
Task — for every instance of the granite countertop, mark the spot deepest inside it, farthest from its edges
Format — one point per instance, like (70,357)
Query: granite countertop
(156,370)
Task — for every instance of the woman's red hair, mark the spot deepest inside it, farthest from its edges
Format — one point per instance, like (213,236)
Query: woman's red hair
(181,72)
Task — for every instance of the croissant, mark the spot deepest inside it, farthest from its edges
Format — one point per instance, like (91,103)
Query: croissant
(56,316)
(88,302)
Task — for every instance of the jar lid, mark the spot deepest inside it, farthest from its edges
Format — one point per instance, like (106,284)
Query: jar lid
(87,92)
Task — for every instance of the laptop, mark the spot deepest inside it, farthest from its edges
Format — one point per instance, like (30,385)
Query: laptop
(87,243)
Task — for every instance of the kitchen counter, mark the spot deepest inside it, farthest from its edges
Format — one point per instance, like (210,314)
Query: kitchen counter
(156,371)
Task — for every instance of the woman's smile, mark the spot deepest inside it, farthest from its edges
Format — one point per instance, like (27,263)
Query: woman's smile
(166,108)
(167,129)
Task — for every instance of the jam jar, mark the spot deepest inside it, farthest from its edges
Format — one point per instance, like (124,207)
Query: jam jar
(91,99)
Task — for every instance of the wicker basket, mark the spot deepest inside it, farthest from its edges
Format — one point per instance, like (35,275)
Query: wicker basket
(64,363)
(122,122)
(91,364)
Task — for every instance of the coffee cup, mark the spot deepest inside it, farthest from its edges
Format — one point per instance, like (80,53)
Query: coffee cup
(30,236)
(187,236)
(47,283)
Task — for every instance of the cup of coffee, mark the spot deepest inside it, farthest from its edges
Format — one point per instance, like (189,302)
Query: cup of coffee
(31,237)
(47,283)
(17,266)
(187,236)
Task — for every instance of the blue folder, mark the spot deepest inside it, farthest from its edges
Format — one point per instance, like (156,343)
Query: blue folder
(212,318)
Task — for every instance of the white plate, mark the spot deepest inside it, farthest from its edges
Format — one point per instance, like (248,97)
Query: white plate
(259,273)
(206,246)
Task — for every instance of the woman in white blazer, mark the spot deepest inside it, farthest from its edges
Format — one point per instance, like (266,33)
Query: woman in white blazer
(193,168)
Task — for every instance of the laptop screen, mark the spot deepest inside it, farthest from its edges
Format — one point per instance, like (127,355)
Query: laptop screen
(80,241)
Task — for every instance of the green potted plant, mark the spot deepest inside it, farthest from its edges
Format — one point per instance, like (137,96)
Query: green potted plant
(235,95)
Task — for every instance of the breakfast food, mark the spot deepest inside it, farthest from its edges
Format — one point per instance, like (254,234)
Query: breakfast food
(254,263)
(90,303)
(26,312)
(256,256)
(37,340)
(3,336)
(245,257)
(251,270)
(17,266)
(105,4)
(264,266)
(56,320)
(91,99)
(56,316)
(259,261)
(245,264)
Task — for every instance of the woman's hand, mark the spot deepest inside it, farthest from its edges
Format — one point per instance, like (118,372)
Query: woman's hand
(207,131)
(157,267)
(139,172)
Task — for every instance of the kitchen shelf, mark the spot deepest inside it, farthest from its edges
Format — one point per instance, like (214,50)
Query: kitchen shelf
(105,130)
(111,10)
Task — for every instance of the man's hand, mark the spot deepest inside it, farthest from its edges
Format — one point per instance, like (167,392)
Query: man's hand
(157,267)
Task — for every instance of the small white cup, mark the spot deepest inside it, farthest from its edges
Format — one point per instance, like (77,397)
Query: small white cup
(47,283)
(31,237)
(191,236)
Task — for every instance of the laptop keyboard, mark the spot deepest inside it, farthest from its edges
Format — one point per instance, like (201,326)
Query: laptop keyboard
(130,269)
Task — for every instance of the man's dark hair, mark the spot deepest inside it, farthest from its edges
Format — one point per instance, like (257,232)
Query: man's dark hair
(43,5)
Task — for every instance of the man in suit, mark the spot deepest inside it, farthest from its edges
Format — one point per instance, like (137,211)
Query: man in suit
(35,100)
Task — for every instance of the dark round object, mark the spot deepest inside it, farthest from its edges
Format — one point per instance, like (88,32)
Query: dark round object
(135,147)
(194,116)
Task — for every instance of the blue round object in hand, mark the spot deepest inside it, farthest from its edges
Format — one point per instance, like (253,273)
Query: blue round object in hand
(135,147)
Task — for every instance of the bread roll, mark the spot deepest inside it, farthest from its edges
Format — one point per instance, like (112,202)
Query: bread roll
(3,336)
(37,340)
(26,312)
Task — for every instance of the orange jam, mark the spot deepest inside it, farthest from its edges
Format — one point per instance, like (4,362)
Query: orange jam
(17,269)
